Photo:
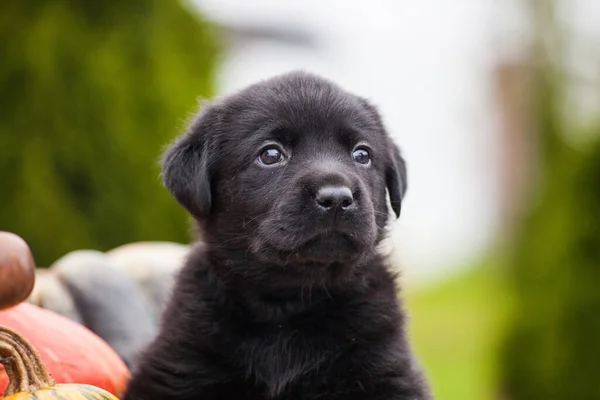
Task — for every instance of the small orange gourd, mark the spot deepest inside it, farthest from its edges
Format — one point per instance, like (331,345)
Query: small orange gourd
(28,377)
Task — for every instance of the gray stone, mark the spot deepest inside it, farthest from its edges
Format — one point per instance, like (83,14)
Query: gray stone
(50,293)
(109,302)
(154,266)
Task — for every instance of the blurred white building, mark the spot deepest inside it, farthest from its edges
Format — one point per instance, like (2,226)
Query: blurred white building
(427,65)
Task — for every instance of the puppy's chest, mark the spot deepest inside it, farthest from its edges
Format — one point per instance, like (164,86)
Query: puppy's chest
(281,354)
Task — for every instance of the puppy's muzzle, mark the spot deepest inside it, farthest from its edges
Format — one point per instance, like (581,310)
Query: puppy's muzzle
(335,212)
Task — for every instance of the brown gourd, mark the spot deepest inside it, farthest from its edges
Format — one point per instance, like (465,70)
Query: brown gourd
(29,379)
(17,270)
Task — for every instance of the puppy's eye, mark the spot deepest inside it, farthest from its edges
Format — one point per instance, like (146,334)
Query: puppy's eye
(361,156)
(270,156)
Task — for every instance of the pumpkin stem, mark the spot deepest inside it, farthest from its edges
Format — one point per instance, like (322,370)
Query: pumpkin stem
(25,370)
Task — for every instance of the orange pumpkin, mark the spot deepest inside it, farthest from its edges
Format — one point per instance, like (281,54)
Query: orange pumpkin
(29,378)
(71,352)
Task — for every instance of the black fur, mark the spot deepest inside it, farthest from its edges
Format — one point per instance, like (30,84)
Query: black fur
(285,299)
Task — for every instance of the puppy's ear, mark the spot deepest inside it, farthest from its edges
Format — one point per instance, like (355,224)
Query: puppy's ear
(395,177)
(186,164)
(395,171)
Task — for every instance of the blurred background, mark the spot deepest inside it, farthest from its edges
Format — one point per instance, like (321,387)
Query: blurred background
(496,106)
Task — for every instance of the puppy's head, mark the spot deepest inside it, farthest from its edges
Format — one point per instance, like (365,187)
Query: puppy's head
(292,170)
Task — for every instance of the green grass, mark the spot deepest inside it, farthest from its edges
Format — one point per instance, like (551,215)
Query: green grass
(456,327)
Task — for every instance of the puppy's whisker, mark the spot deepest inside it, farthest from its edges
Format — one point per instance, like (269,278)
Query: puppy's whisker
(232,239)
(255,218)
(324,286)
(247,251)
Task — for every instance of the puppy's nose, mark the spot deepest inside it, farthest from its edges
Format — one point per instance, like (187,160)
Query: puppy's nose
(332,197)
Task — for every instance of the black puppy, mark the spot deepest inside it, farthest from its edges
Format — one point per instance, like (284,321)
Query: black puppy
(287,298)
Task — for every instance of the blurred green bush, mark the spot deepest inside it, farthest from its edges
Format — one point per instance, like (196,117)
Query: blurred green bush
(91,92)
(552,349)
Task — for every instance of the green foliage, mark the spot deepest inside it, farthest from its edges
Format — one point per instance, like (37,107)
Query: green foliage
(456,327)
(552,349)
(91,92)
